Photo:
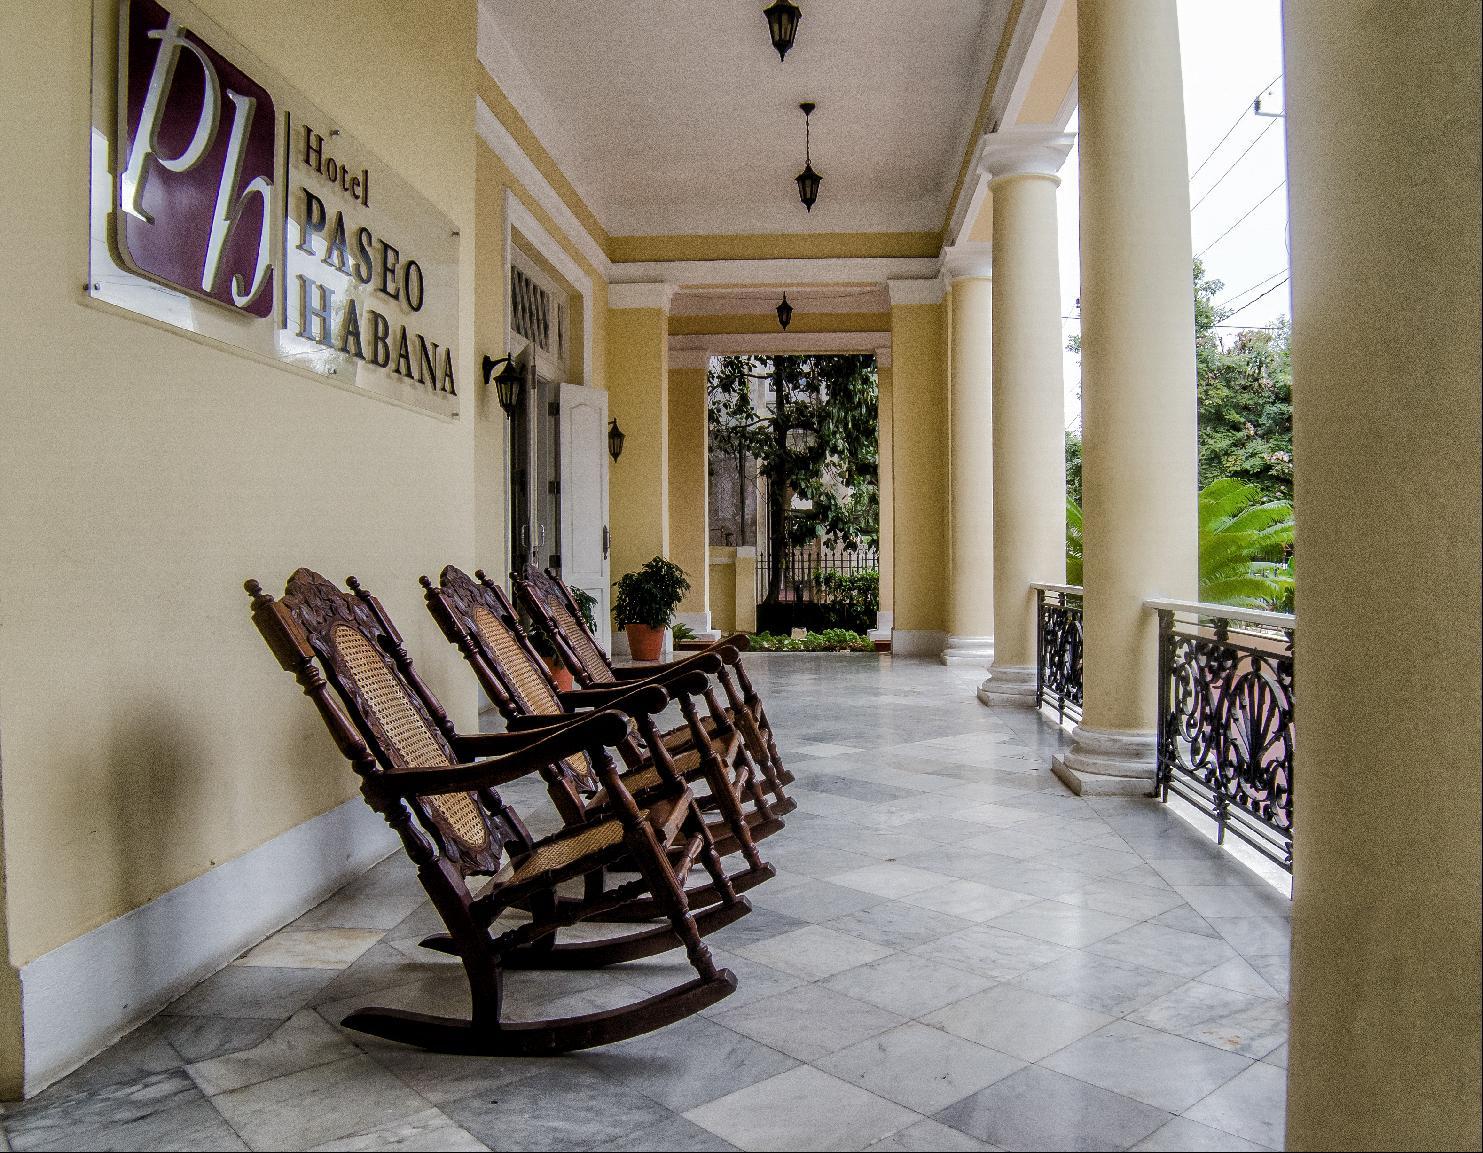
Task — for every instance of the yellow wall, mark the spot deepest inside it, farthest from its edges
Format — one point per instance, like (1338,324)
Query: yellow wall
(919,464)
(638,399)
(722,578)
(146,734)
(886,480)
(1054,74)
(768,323)
(689,483)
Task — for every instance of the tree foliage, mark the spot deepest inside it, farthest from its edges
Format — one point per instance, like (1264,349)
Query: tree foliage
(813,437)
(1245,398)
(1245,546)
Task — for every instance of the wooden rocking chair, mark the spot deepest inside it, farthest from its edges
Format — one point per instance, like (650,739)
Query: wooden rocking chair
(546,597)
(454,825)
(479,619)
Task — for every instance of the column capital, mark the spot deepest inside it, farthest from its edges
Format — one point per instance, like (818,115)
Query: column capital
(641,295)
(1024,152)
(971,259)
(915,291)
(689,358)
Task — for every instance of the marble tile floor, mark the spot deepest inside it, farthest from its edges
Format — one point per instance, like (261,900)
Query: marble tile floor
(956,954)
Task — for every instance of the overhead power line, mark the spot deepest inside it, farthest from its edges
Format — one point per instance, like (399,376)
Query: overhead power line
(1252,301)
(1262,283)
(1242,217)
(1232,168)
(1250,104)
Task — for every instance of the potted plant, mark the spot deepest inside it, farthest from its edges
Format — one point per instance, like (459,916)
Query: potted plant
(646,603)
(541,641)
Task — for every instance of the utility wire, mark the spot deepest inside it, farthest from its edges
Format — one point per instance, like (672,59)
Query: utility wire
(1269,292)
(1242,217)
(1235,296)
(1232,128)
(1232,168)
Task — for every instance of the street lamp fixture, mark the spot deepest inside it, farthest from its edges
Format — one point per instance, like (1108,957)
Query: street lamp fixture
(808,179)
(782,24)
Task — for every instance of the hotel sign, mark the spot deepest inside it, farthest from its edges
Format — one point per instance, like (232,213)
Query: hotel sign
(226,203)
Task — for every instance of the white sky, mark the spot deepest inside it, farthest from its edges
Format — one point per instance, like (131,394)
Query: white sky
(1232,50)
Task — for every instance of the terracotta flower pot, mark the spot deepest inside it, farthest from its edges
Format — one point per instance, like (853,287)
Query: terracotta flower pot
(560,674)
(645,642)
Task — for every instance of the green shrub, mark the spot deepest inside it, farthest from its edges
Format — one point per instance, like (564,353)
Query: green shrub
(651,595)
(849,600)
(828,641)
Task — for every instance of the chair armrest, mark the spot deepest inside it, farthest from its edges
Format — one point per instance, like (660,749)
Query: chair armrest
(626,699)
(476,746)
(708,661)
(530,721)
(588,731)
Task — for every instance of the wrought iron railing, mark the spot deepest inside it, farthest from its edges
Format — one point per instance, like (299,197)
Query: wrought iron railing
(803,570)
(1225,736)
(1058,649)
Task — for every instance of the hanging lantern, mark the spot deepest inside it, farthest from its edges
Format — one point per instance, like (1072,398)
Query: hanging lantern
(785,313)
(615,440)
(782,24)
(507,383)
(808,179)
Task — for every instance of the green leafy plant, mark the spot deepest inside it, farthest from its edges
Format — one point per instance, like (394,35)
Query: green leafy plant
(1073,542)
(849,600)
(1245,546)
(683,632)
(651,595)
(828,641)
(587,606)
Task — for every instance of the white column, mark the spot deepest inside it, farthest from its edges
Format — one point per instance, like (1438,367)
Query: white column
(1383,153)
(1139,475)
(1029,399)
(970,616)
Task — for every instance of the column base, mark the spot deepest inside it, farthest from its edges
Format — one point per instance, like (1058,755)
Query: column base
(882,630)
(1009,686)
(1106,762)
(968,651)
(699,624)
(916,642)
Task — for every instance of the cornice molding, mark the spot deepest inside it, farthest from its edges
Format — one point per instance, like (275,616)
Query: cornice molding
(689,357)
(508,149)
(841,270)
(779,343)
(650,294)
(919,291)
(969,259)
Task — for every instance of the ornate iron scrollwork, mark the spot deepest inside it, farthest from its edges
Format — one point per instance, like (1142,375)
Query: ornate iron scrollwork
(1226,729)
(1059,654)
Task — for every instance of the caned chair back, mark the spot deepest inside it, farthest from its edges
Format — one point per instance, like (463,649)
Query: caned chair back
(389,727)
(548,600)
(517,679)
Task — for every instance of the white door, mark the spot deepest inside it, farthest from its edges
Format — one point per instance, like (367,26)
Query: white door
(584,497)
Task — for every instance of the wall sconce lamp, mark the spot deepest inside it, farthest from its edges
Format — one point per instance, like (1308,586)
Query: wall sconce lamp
(615,440)
(782,24)
(785,313)
(506,383)
(808,179)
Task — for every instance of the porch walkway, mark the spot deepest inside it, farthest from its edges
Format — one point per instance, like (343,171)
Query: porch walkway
(956,954)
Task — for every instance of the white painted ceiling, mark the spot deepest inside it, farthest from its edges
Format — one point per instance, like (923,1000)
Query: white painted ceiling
(676,116)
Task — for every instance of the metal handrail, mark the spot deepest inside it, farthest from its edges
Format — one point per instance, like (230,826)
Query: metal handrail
(1224,612)
(1064,590)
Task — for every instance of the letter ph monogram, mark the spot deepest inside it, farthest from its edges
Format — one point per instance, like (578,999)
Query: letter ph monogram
(198,137)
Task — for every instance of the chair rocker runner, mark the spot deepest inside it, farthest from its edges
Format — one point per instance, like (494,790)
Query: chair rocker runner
(479,619)
(547,598)
(454,826)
